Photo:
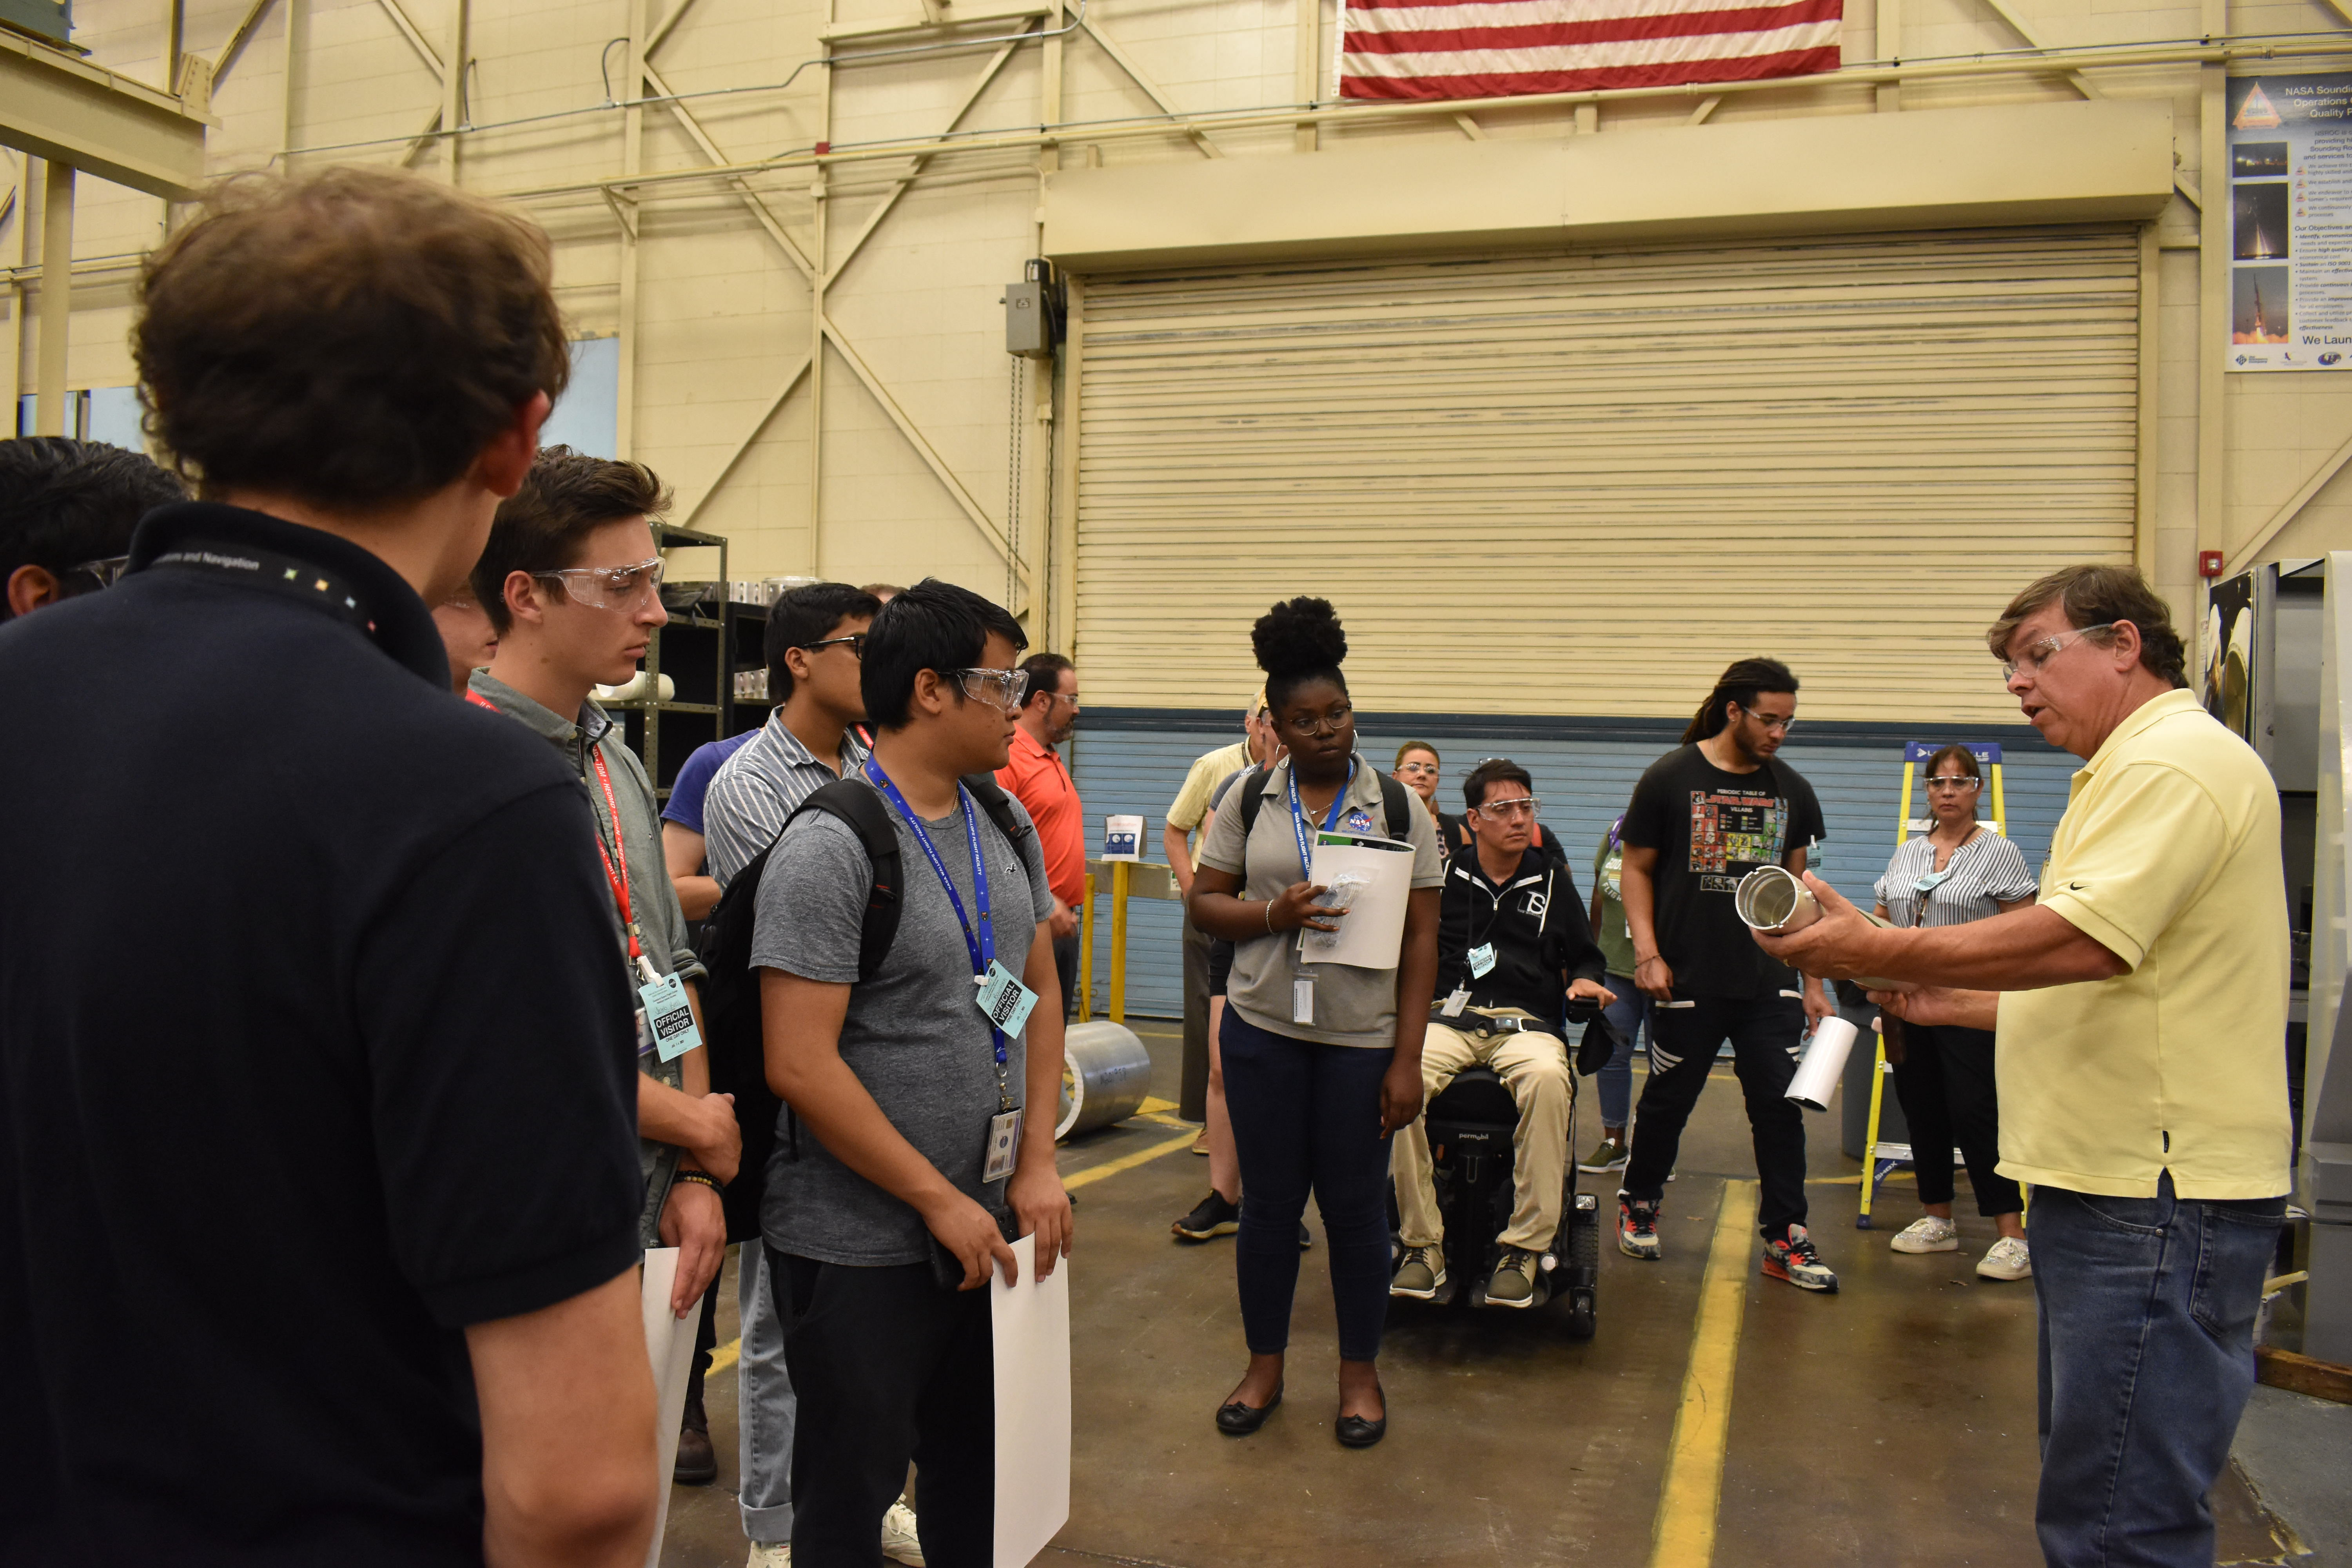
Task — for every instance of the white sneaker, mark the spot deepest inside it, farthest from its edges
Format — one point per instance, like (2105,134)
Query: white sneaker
(2006,1259)
(1927,1234)
(899,1542)
(770,1554)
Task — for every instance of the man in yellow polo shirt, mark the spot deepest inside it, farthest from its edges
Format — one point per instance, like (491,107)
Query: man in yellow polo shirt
(2141,1016)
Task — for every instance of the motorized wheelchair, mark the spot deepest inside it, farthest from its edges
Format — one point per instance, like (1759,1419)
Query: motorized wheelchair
(1471,1125)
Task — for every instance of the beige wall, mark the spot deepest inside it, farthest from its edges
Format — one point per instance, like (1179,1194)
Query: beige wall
(905,467)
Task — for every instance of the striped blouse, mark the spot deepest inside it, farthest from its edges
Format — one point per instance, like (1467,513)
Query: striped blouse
(1984,873)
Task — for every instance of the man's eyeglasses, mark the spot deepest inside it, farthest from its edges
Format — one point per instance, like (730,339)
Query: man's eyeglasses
(2040,653)
(1330,723)
(1772,724)
(106,572)
(609,587)
(1506,810)
(855,641)
(1955,783)
(1004,687)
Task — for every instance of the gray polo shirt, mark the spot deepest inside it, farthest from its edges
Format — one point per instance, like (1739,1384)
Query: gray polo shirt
(1352,1006)
(652,900)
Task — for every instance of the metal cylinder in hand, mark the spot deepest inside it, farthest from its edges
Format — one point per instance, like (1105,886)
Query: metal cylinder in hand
(1771,899)
(1105,1073)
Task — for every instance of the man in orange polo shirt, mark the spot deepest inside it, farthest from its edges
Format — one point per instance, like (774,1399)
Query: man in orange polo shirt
(1036,777)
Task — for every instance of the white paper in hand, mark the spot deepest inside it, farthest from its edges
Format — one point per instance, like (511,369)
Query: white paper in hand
(669,1346)
(1030,1323)
(1379,882)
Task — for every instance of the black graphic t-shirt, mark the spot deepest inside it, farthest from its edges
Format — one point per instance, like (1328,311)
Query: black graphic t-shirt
(1710,828)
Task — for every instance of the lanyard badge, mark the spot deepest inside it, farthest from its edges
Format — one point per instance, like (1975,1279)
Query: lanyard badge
(1000,997)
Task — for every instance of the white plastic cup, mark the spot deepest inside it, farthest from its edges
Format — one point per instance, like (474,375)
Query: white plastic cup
(1825,1064)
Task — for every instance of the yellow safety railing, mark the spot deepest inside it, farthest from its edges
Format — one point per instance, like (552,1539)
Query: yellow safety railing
(1123,879)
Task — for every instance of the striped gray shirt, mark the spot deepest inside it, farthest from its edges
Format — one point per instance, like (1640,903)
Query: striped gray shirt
(1986,872)
(757,790)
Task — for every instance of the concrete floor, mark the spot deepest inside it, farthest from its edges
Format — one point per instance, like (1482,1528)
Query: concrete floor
(1891,1423)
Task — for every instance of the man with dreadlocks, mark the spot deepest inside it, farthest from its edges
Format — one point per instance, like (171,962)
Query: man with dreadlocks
(1703,817)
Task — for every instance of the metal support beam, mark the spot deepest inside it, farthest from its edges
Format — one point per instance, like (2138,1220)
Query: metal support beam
(1889,45)
(56,106)
(1308,72)
(625,208)
(408,29)
(1126,62)
(735,453)
(240,37)
(2291,509)
(1706,108)
(925,450)
(2212,311)
(1470,128)
(2152,403)
(657,88)
(873,220)
(57,298)
(453,85)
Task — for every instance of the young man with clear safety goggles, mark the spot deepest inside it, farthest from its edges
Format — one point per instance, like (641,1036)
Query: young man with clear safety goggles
(571,579)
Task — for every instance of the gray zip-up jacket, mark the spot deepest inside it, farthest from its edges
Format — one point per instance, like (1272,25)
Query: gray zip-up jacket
(661,924)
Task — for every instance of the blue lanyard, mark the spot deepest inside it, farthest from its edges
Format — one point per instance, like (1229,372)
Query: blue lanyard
(983,946)
(1298,818)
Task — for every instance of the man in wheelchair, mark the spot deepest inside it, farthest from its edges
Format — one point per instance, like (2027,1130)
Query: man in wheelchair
(1513,949)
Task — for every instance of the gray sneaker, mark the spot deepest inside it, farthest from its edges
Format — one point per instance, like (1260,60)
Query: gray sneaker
(1420,1276)
(1513,1283)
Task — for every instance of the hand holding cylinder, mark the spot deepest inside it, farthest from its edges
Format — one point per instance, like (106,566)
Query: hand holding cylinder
(1810,926)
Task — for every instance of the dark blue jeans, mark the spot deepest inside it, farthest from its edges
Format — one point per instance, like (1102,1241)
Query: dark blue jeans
(2147,1310)
(1627,1014)
(1307,1116)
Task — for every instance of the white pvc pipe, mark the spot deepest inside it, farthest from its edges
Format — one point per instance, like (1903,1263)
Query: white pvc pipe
(1825,1064)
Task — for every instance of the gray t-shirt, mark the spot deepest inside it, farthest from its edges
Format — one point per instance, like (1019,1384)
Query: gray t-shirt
(1352,1006)
(913,1034)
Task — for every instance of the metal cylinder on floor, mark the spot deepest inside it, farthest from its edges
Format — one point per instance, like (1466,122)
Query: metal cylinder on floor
(1106,1072)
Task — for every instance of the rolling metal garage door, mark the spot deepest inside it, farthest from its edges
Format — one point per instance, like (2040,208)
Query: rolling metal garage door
(1581,484)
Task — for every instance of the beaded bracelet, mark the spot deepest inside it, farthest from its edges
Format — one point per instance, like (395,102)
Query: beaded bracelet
(705,1177)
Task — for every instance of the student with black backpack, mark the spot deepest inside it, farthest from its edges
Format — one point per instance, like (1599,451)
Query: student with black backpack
(1322,1061)
(912,1011)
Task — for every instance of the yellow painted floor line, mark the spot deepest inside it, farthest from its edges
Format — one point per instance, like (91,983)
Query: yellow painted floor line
(1129,1162)
(725,1356)
(1684,1533)
(1152,1102)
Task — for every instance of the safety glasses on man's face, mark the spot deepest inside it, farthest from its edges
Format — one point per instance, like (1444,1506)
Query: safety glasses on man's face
(1005,687)
(1505,810)
(2042,652)
(609,587)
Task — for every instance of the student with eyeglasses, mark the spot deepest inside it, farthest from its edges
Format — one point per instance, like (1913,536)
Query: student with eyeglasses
(1701,818)
(923,1105)
(1419,769)
(815,648)
(1322,1060)
(66,511)
(1959,870)
(572,581)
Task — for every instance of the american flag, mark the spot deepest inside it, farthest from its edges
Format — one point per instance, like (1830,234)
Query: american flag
(1448,49)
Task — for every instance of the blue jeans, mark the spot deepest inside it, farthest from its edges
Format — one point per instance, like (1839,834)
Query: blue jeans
(1627,1014)
(2147,1310)
(766,1405)
(1307,1116)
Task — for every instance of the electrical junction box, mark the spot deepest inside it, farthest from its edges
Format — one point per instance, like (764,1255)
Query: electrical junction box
(1028,317)
(51,21)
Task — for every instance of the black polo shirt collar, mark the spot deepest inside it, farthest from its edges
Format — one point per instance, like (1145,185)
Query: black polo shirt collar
(394,617)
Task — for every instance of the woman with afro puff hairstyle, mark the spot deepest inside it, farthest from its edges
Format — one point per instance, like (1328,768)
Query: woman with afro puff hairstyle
(1322,1060)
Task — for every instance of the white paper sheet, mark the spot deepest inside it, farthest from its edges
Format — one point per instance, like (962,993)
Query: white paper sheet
(1030,1323)
(669,1346)
(1374,934)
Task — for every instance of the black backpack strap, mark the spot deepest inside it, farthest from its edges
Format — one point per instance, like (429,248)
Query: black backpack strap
(860,806)
(1251,786)
(1399,806)
(998,807)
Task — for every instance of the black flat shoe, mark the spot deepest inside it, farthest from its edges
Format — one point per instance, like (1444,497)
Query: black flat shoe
(1235,1419)
(1355,1432)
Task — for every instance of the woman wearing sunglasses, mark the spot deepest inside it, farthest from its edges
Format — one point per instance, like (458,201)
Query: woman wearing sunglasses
(1958,871)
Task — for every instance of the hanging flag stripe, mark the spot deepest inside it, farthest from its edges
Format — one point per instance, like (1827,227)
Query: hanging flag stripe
(1435,49)
(1607,30)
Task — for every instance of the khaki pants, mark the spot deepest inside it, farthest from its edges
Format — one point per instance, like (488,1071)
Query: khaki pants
(1534,1067)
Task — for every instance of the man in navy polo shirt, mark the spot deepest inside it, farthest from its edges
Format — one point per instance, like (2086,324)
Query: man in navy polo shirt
(360,1186)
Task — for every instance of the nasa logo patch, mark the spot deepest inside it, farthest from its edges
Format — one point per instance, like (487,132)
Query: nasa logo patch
(1359,821)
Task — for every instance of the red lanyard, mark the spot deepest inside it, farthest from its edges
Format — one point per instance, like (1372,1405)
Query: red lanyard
(619,879)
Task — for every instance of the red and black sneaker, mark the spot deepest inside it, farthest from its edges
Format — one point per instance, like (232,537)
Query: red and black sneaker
(1637,1227)
(1798,1261)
